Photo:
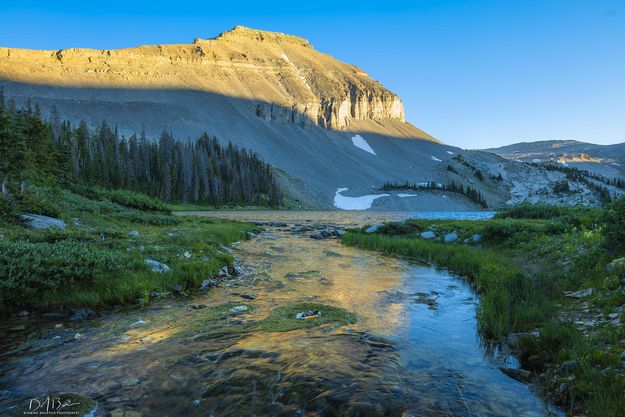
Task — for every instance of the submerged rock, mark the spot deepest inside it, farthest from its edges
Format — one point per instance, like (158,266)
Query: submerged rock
(308,314)
(38,221)
(82,314)
(517,373)
(157,266)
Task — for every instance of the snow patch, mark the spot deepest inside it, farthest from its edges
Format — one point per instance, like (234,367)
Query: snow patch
(406,195)
(361,143)
(536,161)
(436,159)
(449,152)
(355,203)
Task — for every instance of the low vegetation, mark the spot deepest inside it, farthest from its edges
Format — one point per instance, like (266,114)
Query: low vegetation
(98,260)
(522,263)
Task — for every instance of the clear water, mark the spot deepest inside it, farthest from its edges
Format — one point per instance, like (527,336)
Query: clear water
(415,350)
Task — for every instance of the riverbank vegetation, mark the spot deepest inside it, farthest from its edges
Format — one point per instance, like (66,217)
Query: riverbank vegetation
(552,284)
(99,258)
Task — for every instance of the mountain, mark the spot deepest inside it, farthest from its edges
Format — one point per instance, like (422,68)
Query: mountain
(606,160)
(334,135)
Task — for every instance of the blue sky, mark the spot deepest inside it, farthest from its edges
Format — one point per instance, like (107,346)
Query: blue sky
(474,74)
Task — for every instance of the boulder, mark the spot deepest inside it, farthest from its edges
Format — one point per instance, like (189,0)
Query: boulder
(373,228)
(38,221)
(451,237)
(157,266)
(238,309)
(223,272)
(133,233)
(317,236)
(428,235)
(476,237)
(580,293)
(208,283)
(248,296)
(226,249)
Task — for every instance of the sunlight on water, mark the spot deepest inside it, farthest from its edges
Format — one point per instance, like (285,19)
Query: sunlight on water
(414,351)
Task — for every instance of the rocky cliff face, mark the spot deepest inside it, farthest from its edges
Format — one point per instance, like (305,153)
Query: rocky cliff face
(282,77)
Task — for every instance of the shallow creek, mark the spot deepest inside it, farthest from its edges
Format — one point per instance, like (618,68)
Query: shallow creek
(414,351)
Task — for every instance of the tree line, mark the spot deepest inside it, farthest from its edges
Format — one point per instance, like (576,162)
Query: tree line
(201,171)
(582,176)
(468,191)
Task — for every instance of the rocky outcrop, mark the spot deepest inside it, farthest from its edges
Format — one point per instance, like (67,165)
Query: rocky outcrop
(282,77)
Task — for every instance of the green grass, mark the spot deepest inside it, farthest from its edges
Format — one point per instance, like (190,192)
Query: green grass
(526,258)
(282,319)
(95,262)
(508,299)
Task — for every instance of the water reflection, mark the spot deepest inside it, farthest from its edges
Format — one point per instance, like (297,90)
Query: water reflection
(414,351)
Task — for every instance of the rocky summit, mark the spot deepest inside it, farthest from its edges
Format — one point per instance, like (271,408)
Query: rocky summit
(334,135)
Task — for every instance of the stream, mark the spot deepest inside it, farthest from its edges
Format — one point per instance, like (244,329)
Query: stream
(414,350)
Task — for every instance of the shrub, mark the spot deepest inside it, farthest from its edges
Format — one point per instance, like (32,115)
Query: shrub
(31,270)
(135,200)
(571,216)
(393,229)
(126,198)
(138,217)
(38,201)
(613,230)
(7,209)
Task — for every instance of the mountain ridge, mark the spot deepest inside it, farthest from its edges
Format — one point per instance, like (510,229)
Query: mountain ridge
(330,131)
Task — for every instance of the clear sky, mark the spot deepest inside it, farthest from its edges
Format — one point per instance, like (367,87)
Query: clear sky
(472,73)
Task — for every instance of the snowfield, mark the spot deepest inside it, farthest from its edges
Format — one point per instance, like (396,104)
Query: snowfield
(406,195)
(361,143)
(355,203)
(449,152)
(436,159)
